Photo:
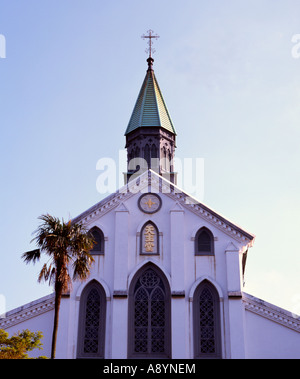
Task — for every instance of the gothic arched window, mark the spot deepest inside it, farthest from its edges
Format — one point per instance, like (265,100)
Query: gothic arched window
(91,326)
(204,242)
(168,161)
(164,158)
(98,236)
(147,155)
(153,151)
(130,155)
(149,239)
(149,328)
(207,329)
(154,158)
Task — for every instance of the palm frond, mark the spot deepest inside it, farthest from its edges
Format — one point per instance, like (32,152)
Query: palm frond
(65,243)
(81,266)
(32,256)
(46,274)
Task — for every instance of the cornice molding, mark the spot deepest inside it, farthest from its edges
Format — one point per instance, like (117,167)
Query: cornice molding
(200,209)
(28,311)
(271,312)
(103,207)
(150,181)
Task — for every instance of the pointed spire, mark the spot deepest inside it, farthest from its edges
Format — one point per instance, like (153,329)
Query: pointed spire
(150,109)
(150,134)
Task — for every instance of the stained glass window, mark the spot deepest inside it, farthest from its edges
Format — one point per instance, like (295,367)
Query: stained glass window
(206,322)
(92,321)
(150,324)
(91,332)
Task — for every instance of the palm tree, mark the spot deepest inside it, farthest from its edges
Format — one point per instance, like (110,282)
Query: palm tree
(67,245)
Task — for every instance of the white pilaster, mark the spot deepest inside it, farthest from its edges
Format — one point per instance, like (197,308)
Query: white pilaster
(179,322)
(236,307)
(120,293)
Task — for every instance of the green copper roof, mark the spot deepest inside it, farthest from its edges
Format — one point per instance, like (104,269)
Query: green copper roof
(150,109)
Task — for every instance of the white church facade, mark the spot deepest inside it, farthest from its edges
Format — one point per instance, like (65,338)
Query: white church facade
(167,281)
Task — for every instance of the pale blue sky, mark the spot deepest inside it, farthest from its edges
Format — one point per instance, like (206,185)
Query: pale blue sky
(68,85)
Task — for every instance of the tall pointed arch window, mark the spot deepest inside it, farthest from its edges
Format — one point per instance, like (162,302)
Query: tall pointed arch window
(164,158)
(204,242)
(207,329)
(149,239)
(91,326)
(149,328)
(153,151)
(147,155)
(98,236)
(137,152)
(154,157)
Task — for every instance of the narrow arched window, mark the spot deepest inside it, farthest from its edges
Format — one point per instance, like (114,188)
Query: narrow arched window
(149,328)
(98,236)
(147,155)
(154,157)
(204,242)
(164,158)
(168,161)
(137,152)
(207,329)
(131,155)
(153,151)
(149,239)
(91,326)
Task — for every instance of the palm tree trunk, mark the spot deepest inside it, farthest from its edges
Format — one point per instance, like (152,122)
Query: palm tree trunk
(58,295)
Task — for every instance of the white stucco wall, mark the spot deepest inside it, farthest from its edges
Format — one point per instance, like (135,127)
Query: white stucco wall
(177,227)
(266,339)
(244,334)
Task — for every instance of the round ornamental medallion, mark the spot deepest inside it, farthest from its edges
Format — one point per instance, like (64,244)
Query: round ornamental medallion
(149,203)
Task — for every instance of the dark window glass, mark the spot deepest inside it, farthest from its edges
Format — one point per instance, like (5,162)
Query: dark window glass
(204,242)
(207,340)
(149,317)
(91,327)
(98,236)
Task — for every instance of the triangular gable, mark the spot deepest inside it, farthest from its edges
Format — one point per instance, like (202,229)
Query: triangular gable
(150,181)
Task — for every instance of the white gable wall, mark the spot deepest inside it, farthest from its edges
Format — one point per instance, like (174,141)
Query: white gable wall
(177,227)
(243,333)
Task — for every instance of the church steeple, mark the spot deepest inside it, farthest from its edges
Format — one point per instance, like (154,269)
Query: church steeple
(150,134)
(150,109)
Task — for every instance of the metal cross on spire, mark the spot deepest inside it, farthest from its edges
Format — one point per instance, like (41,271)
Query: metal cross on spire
(150,36)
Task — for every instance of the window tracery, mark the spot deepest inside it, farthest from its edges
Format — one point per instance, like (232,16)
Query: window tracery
(207,338)
(150,325)
(91,328)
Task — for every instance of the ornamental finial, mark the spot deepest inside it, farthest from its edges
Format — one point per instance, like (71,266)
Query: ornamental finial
(150,36)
